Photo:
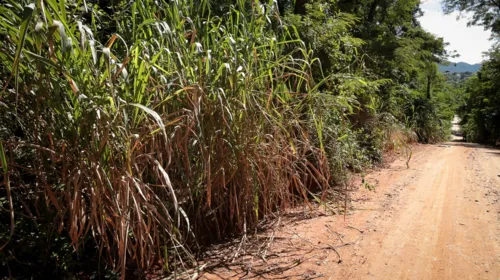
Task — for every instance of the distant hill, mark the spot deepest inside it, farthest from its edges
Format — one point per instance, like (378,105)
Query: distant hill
(457,78)
(460,67)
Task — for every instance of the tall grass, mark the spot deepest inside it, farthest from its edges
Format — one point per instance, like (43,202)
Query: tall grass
(168,126)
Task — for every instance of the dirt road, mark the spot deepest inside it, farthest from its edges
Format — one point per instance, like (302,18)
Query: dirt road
(440,219)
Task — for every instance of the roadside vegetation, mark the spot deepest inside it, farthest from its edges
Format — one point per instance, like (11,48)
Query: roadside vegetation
(133,133)
(479,95)
(480,102)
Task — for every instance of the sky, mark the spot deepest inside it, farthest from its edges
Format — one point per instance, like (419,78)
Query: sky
(469,42)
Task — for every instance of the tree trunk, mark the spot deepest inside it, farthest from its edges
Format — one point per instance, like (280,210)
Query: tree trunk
(373,9)
(300,7)
(281,7)
(429,81)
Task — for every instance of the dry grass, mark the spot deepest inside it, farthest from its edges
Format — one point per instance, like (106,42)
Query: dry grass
(172,131)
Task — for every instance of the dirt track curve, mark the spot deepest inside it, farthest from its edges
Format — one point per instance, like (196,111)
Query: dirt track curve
(440,219)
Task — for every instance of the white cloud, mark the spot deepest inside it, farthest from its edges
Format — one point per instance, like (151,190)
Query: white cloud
(469,42)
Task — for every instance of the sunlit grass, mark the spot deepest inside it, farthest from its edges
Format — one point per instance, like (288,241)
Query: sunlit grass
(175,129)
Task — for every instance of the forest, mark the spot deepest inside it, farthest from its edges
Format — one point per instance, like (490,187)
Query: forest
(134,133)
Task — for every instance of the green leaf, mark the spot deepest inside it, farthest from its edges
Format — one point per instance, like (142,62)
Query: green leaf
(27,14)
(155,116)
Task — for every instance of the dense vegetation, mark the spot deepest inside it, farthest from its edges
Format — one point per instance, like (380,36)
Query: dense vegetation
(134,132)
(479,97)
(480,106)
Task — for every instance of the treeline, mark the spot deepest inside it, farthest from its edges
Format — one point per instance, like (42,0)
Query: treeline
(479,98)
(134,132)
(480,107)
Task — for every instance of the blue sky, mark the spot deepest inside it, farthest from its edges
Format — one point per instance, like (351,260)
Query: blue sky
(469,42)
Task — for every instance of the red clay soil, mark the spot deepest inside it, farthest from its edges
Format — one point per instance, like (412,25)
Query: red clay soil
(440,219)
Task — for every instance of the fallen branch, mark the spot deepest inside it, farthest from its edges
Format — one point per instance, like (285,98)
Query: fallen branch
(329,229)
(336,252)
(243,239)
(361,231)
(271,239)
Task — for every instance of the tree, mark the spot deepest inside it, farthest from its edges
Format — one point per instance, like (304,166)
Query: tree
(485,12)
(481,111)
